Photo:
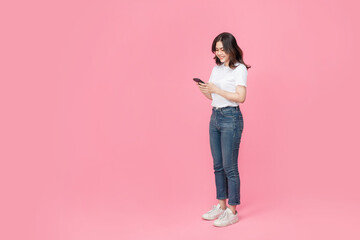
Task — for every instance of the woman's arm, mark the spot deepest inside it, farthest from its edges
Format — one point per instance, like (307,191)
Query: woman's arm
(238,96)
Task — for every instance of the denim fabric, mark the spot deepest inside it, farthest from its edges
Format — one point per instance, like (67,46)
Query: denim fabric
(226,126)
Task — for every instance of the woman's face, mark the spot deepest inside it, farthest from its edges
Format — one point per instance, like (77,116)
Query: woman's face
(221,54)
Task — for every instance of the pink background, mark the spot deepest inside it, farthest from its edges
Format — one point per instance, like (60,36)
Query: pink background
(105,136)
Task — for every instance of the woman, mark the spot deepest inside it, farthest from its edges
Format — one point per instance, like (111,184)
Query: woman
(226,88)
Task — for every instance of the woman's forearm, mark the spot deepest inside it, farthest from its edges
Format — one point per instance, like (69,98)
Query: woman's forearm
(233,97)
(208,95)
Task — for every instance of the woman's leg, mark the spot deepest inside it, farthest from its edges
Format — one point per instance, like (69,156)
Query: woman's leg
(230,140)
(222,203)
(220,177)
(233,208)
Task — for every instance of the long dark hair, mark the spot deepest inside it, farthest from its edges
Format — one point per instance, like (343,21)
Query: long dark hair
(230,47)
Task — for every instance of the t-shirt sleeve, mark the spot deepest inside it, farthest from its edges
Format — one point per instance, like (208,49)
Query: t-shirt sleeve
(241,75)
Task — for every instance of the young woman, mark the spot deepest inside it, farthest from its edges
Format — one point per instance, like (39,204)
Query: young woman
(226,88)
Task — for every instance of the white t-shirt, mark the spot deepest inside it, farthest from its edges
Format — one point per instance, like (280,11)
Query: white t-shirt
(227,79)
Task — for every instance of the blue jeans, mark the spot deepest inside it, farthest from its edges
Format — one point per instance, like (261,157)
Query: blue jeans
(226,126)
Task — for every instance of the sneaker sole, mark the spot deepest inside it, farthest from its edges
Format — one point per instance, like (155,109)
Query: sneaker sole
(208,219)
(226,225)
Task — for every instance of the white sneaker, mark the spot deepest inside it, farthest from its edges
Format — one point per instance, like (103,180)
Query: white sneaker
(226,218)
(214,213)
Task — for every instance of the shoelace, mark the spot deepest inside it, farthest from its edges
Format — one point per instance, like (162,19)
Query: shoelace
(223,215)
(213,208)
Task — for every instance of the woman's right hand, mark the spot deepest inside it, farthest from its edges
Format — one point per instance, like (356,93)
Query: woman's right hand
(204,89)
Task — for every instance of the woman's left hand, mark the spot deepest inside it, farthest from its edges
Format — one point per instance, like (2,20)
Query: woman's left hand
(208,87)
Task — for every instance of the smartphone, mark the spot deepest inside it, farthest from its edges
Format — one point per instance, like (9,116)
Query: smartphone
(198,80)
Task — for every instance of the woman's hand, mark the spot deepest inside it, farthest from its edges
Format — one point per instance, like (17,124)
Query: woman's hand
(204,88)
(207,88)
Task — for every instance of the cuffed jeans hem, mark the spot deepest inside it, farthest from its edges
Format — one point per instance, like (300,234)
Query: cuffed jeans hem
(233,204)
(219,198)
